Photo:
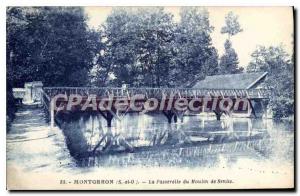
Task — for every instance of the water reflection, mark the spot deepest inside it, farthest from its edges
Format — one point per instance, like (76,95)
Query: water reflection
(148,140)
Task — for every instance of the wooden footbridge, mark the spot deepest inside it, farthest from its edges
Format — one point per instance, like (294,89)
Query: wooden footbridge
(257,100)
(68,105)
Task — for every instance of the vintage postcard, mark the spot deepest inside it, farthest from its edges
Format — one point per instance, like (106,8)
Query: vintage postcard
(150,98)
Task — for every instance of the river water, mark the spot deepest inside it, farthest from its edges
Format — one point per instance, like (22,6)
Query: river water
(249,152)
(193,142)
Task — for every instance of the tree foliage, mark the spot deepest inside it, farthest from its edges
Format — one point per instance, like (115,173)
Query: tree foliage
(196,56)
(138,46)
(232,26)
(229,61)
(145,47)
(280,80)
(50,44)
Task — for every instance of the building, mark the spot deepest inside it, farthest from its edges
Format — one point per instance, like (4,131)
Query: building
(30,93)
(243,81)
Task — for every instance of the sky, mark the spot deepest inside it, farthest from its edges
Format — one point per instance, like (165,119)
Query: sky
(267,26)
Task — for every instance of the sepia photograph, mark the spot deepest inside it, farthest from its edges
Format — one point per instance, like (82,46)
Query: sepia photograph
(150,98)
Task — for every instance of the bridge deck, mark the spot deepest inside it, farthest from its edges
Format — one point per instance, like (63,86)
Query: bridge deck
(158,92)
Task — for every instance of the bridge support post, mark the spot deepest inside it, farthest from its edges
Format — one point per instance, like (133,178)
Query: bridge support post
(52,114)
(108,117)
(258,108)
(218,114)
(170,114)
(175,118)
(178,114)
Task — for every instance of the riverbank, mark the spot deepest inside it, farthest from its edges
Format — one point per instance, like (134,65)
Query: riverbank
(31,145)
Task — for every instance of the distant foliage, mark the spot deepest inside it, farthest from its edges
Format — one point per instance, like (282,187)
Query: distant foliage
(196,57)
(280,80)
(50,44)
(139,47)
(229,62)
(232,26)
(145,47)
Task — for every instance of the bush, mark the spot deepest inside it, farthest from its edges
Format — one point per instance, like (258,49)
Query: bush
(282,107)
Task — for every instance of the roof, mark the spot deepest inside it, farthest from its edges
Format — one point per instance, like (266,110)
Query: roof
(231,81)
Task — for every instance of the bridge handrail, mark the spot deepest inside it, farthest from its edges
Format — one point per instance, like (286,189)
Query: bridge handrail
(154,88)
(157,92)
(151,88)
(178,91)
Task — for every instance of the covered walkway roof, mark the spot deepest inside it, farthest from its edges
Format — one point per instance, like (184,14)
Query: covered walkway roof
(231,81)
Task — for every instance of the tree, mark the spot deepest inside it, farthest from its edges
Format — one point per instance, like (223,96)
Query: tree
(138,46)
(145,47)
(195,55)
(156,39)
(51,44)
(232,26)
(48,44)
(280,80)
(229,61)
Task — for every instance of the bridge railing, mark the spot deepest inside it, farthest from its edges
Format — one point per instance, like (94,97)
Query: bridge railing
(45,99)
(157,92)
